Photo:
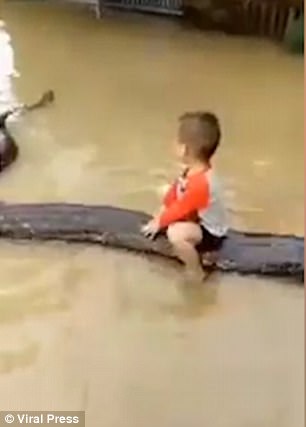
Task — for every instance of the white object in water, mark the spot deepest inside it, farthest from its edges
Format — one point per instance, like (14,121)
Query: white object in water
(7,70)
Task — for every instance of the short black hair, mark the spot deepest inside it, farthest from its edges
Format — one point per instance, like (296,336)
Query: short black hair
(201,133)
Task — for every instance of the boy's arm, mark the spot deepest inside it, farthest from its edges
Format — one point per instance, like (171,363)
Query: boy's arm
(196,197)
(168,199)
(170,196)
(159,212)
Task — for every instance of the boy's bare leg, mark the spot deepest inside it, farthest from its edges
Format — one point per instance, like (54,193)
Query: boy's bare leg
(184,237)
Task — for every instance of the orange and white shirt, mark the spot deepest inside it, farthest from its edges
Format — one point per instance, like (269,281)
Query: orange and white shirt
(196,197)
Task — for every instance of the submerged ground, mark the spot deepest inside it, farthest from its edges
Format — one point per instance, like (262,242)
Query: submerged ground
(114,334)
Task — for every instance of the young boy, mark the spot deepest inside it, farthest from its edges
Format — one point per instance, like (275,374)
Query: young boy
(192,214)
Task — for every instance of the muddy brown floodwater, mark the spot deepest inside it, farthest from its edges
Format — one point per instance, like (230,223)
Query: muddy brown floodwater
(112,333)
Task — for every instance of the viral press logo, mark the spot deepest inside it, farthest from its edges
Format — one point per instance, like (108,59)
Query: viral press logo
(9,418)
(43,418)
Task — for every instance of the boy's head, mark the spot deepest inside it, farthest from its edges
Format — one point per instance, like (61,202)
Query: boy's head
(199,136)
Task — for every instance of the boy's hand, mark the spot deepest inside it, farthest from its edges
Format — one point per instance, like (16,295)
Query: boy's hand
(150,229)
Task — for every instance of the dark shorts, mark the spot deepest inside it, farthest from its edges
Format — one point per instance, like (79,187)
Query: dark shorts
(209,242)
